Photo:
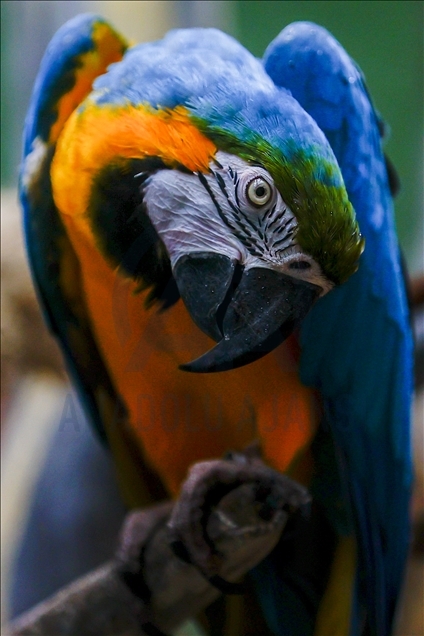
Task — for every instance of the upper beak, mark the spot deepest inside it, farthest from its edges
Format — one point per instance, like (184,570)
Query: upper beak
(248,312)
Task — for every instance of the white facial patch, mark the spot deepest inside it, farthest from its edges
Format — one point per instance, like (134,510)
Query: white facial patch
(186,218)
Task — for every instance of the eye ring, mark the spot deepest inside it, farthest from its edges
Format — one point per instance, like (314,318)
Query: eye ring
(258,192)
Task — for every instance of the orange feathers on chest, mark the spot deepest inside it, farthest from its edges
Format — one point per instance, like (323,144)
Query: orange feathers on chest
(180,418)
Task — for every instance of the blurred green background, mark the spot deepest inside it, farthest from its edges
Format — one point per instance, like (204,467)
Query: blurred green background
(384,37)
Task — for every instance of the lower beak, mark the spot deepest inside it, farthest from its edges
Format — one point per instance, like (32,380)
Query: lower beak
(248,312)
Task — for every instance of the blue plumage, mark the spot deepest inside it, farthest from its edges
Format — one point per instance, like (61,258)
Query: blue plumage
(357,347)
(185,66)
(219,81)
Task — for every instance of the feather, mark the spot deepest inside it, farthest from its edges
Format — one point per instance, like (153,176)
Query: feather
(356,343)
(65,78)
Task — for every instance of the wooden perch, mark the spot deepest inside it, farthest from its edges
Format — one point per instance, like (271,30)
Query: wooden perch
(146,589)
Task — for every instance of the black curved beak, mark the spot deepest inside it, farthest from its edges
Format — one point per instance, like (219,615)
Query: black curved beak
(248,312)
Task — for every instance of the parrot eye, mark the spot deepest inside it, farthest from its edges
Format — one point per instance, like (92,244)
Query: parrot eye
(258,192)
(255,189)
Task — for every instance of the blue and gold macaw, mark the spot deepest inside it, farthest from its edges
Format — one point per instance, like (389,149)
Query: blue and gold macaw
(188,169)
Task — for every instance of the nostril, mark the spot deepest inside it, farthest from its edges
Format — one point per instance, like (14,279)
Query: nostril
(300,265)
(222,309)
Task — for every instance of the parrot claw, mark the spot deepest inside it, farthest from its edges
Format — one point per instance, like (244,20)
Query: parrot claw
(217,485)
(139,528)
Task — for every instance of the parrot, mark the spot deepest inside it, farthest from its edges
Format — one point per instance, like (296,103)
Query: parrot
(212,241)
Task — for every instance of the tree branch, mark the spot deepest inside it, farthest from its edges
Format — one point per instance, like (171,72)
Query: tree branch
(147,589)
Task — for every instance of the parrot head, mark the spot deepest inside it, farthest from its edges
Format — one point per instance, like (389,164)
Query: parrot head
(253,243)
(236,251)
(238,186)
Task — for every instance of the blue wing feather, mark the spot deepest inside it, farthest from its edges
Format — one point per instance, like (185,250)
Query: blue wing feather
(356,343)
(44,233)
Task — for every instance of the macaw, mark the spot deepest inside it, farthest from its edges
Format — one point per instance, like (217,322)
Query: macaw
(182,193)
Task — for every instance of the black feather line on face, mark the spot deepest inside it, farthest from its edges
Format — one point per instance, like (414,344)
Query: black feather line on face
(205,184)
(125,234)
(243,225)
(278,218)
(236,182)
(284,239)
(245,236)
(237,210)
(283,227)
(258,238)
